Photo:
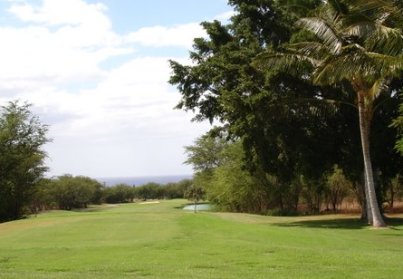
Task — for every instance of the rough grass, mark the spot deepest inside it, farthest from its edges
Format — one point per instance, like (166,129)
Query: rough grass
(162,241)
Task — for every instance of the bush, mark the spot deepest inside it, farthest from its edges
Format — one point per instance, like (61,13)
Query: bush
(149,191)
(121,193)
(177,190)
(74,192)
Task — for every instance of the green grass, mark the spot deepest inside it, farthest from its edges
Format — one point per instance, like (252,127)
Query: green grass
(163,241)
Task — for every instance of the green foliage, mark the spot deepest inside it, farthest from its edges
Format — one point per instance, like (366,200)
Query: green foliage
(149,191)
(177,190)
(283,129)
(394,191)
(120,193)
(123,193)
(338,188)
(74,192)
(22,137)
(195,193)
(205,153)
(233,188)
(254,75)
(43,198)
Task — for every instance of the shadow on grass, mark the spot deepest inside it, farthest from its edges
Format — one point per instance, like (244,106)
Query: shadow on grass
(350,223)
(93,209)
(395,222)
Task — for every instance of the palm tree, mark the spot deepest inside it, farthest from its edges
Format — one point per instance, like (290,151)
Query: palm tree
(356,41)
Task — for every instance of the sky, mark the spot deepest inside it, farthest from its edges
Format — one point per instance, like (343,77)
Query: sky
(96,72)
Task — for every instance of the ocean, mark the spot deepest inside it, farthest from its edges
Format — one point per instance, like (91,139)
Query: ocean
(141,180)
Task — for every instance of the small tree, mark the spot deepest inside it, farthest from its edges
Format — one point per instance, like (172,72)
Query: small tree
(120,193)
(338,188)
(195,194)
(148,191)
(395,190)
(74,192)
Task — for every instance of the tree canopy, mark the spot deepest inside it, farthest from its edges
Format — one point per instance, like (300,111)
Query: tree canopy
(298,119)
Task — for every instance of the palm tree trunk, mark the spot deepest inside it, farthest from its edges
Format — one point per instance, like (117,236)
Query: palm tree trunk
(368,216)
(365,117)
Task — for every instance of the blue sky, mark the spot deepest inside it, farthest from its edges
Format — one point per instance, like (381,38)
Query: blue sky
(129,15)
(96,72)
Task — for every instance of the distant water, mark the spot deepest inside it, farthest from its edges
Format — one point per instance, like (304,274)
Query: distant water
(199,207)
(141,180)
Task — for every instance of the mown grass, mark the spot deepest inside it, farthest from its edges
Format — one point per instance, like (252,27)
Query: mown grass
(162,241)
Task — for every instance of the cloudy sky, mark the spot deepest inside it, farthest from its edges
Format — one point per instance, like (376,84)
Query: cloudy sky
(96,71)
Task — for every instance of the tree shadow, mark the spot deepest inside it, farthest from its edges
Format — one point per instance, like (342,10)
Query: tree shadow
(97,208)
(352,223)
(341,223)
(394,222)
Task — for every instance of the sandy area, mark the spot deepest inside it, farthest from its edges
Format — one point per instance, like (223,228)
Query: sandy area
(150,202)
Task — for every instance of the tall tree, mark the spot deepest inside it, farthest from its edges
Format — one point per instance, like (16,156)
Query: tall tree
(22,137)
(356,41)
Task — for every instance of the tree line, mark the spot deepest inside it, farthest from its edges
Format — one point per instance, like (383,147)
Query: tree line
(24,189)
(302,90)
(69,192)
(220,171)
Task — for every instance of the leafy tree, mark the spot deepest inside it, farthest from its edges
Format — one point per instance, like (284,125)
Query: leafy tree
(204,155)
(43,198)
(195,194)
(22,137)
(233,188)
(292,131)
(338,187)
(360,42)
(282,137)
(395,190)
(74,192)
(223,85)
(177,190)
(148,191)
(120,193)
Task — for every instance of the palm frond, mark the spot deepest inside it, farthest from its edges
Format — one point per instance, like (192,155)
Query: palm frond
(386,64)
(371,6)
(389,40)
(287,61)
(323,31)
(376,89)
(376,36)
(316,51)
(355,61)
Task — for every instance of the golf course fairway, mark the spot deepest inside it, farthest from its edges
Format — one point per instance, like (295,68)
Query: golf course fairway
(160,240)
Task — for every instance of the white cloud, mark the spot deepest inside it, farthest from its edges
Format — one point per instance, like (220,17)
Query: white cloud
(174,36)
(225,16)
(126,113)
(160,36)
(129,114)
(61,12)
(72,50)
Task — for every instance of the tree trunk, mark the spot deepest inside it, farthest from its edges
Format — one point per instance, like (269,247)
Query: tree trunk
(368,215)
(365,117)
